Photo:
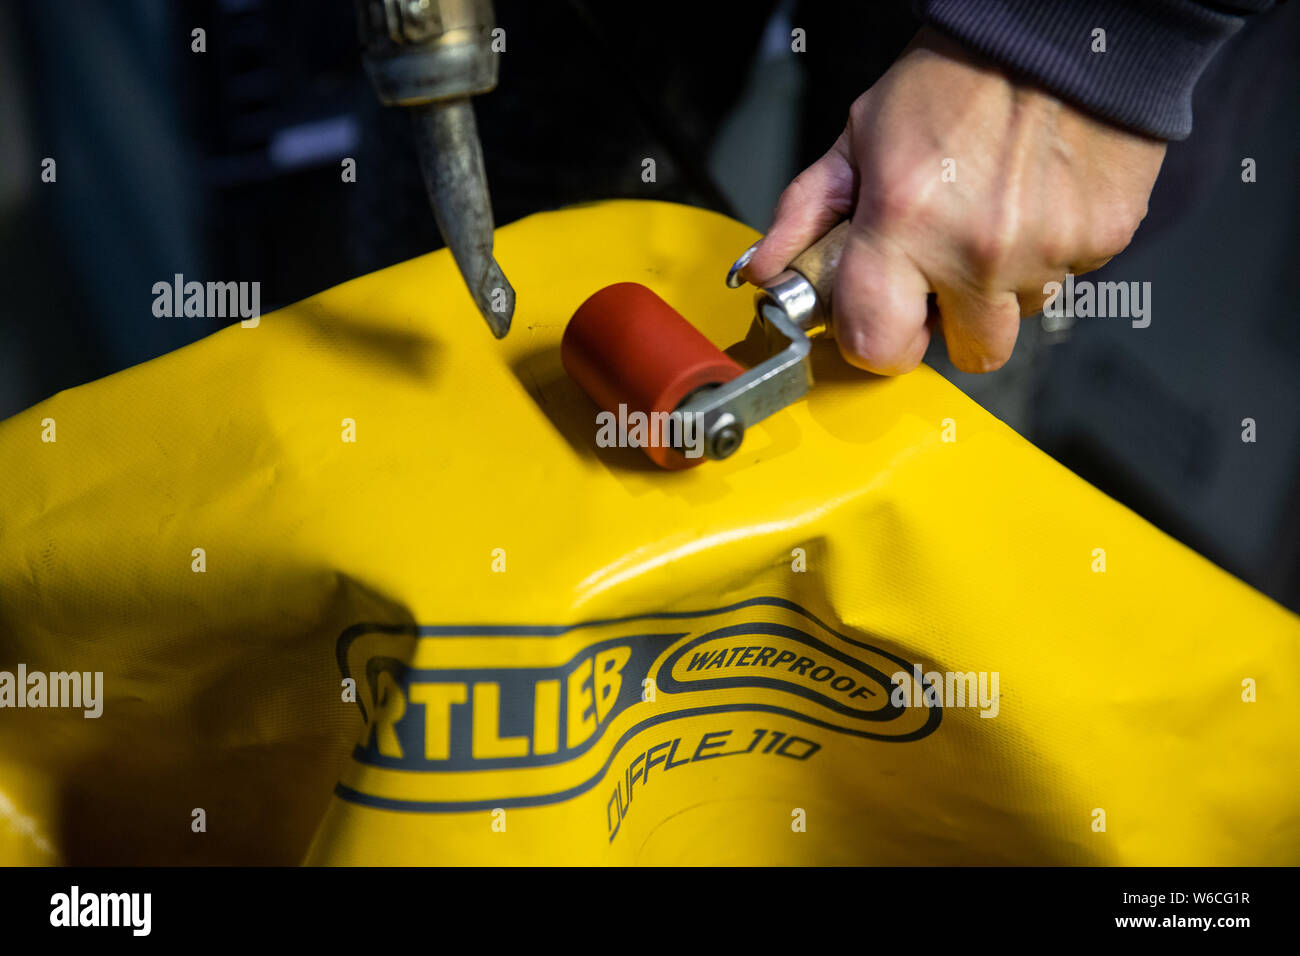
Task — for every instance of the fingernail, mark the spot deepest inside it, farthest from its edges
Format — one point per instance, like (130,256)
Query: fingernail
(734,281)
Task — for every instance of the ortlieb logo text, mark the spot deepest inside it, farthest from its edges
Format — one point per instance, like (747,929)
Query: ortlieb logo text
(444,707)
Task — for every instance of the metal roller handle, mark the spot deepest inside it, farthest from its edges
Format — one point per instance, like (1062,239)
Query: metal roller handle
(793,308)
(804,291)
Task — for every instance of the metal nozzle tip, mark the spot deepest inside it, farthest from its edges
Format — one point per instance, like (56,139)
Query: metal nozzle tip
(452,163)
(495,298)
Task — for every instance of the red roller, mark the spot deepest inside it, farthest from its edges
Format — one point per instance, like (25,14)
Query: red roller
(625,345)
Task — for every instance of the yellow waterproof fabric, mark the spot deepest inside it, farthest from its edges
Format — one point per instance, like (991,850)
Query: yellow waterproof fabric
(450,559)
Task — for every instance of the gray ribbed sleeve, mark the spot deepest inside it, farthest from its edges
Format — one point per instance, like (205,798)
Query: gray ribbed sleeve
(1155,50)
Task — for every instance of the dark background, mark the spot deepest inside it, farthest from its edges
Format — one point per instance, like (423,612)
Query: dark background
(226,164)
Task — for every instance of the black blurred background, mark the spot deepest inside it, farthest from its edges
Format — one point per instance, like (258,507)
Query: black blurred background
(226,164)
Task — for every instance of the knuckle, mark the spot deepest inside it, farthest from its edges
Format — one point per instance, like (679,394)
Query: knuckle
(979,348)
(989,251)
(1116,228)
(865,346)
(1115,236)
(991,363)
(855,345)
(977,362)
(1054,249)
(858,111)
(881,347)
(895,201)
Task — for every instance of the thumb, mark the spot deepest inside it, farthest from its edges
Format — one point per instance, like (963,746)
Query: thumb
(810,206)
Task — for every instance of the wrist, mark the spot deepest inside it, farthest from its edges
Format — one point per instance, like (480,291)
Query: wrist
(1138,72)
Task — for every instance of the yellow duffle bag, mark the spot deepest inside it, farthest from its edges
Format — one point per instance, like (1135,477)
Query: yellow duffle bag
(355,584)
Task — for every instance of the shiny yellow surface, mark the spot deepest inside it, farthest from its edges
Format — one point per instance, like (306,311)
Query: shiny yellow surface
(1120,690)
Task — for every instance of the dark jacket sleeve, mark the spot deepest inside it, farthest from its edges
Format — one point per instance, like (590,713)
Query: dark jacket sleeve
(1155,50)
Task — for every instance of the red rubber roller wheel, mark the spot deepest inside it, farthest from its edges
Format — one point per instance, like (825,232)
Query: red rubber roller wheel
(625,345)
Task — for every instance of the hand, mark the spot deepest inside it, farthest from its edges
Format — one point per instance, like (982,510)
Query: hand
(1040,189)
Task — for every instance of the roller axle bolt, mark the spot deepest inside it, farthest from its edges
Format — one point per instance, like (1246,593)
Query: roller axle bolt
(725,436)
